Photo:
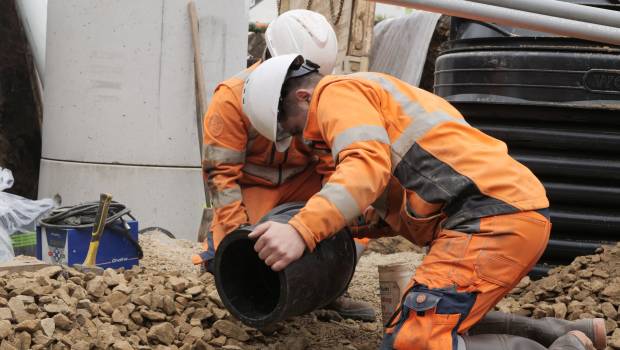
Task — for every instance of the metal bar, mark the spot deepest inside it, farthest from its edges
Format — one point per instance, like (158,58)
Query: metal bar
(561,9)
(515,18)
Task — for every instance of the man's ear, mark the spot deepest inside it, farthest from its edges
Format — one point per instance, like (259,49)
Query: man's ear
(303,94)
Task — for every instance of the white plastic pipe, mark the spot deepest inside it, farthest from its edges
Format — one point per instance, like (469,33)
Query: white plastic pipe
(515,18)
(561,9)
(33,14)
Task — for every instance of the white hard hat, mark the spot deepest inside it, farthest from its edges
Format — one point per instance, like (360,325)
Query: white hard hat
(262,91)
(306,33)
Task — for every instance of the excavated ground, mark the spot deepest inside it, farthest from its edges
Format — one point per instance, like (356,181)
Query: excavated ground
(166,304)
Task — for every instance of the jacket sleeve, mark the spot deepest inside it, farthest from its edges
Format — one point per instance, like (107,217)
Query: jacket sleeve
(326,165)
(351,124)
(225,138)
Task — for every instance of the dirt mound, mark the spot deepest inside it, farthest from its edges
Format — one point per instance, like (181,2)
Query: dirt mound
(165,254)
(391,245)
(57,308)
(136,309)
(589,287)
(165,304)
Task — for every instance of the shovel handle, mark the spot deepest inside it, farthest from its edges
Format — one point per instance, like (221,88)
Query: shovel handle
(102,215)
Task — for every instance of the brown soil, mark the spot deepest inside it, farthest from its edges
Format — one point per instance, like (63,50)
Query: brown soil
(391,245)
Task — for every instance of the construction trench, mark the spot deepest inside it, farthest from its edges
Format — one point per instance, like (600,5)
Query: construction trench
(167,303)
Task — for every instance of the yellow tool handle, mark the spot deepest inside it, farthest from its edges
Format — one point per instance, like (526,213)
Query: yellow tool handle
(102,215)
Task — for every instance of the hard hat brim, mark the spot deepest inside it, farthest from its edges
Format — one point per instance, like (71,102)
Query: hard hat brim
(261,95)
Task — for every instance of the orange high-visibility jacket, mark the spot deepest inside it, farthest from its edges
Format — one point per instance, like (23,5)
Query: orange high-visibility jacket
(236,155)
(382,131)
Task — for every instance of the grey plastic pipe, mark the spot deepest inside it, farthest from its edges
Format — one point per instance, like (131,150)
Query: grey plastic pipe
(515,18)
(561,9)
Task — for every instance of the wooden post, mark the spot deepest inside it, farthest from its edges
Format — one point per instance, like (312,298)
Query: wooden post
(201,101)
(285,5)
(360,38)
(353,24)
(201,109)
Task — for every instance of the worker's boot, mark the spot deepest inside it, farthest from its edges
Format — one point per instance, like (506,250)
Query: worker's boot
(353,309)
(347,307)
(573,340)
(545,330)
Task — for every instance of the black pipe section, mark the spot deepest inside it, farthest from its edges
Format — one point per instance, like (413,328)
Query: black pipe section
(540,271)
(258,296)
(588,222)
(556,103)
(550,138)
(522,70)
(582,194)
(543,164)
(536,112)
(559,248)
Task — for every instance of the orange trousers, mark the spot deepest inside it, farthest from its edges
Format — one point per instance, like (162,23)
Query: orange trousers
(259,200)
(462,277)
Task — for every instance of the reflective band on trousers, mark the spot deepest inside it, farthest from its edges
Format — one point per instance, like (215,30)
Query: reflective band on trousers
(342,199)
(421,120)
(359,134)
(272,174)
(226,197)
(214,155)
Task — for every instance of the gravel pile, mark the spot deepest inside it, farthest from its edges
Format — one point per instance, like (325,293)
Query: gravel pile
(589,287)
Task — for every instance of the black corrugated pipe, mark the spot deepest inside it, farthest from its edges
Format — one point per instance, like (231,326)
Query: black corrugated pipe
(578,167)
(258,296)
(602,224)
(561,192)
(544,137)
(568,249)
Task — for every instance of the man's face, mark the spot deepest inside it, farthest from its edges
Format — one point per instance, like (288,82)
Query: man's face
(295,111)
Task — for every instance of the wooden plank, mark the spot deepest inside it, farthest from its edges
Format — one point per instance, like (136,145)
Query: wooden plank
(354,64)
(283,5)
(362,23)
(353,28)
(21,264)
(342,27)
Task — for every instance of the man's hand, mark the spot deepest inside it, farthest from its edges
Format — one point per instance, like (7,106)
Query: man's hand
(278,244)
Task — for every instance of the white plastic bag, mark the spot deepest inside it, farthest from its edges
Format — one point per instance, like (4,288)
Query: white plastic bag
(16,213)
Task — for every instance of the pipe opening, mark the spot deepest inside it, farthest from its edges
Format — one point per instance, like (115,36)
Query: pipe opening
(257,294)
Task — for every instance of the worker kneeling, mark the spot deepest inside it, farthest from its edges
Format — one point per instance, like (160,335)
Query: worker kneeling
(248,174)
(428,176)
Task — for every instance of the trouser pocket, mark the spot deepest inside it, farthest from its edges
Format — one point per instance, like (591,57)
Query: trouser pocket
(421,231)
(428,319)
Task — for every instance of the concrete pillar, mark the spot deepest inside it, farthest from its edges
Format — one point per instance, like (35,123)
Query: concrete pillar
(119,102)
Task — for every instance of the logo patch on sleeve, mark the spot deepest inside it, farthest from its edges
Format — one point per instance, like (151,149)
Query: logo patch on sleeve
(216,125)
